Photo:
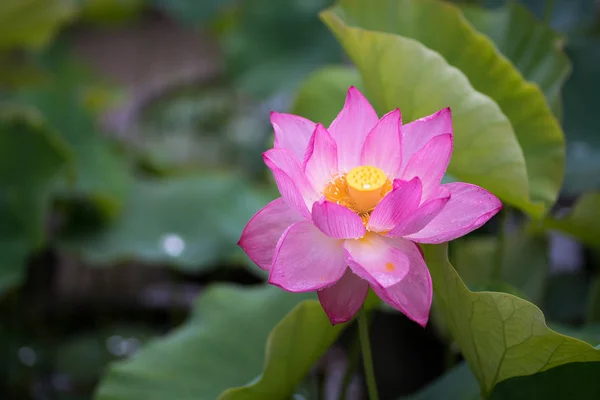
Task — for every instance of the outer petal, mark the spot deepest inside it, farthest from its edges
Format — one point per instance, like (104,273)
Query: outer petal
(469,207)
(321,162)
(421,131)
(292,132)
(430,163)
(396,206)
(261,234)
(290,179)
(374,260)
(350,128)
(383,148)
(337,221)
(412,295)
(343,300)
(423,215)
(306,259)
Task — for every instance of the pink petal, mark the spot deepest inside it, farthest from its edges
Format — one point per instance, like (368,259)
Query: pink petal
(412,295)
(292,132)
(321,164)
(421,131)
(469,207)
(423,215)
(261,234)
(290,179)
(374,260)
(350,128)
(337,221)
(343,300)
(430,163)
(306,259)
(396,206)
(382,148)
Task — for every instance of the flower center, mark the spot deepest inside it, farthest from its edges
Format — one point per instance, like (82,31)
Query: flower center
(360,190)
(365,184)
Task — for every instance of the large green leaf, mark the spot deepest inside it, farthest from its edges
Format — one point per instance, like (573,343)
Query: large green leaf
(578,380)
(501,336)
(102,173)
(384,61)
(531,46)
(400,72)
(321,96)
(222,346)
(32,23)
(24,187)
(289,355)
(583,222)
(188,222)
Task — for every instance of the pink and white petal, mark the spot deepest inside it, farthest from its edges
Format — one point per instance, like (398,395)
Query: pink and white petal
(306,259)
(321,163)
(423,215)
(343,300)
(350,128)
(292,132)
(374,260)
(337,221)
(383,145)
(469,207)
(396,206)
(290,179)
(262,233)
(412,295)
(429,164)
(421,131)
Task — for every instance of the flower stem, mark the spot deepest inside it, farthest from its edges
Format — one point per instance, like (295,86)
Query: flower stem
(365,345)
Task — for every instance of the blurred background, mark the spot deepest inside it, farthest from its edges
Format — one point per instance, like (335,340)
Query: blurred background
(131,134)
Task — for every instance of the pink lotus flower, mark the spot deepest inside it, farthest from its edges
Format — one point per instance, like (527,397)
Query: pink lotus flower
(354,200)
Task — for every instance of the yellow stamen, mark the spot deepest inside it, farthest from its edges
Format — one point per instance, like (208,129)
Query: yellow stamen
(338,191)
(364,186)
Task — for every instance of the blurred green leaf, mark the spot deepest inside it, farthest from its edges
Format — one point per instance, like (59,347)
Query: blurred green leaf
(458,383)
(534,48)
(523,264)
(263,63)
(193,12)
(189,222)
(293,347)
(102,173)
(565,297)
(593,303)
(500,335)
(400,72)
(565,15)
(581,97)
(18,70)
(203,128)
(24,187)
(441,27)
(111,12)
(32,23)
(582,222)
(321,96)
(221,346)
